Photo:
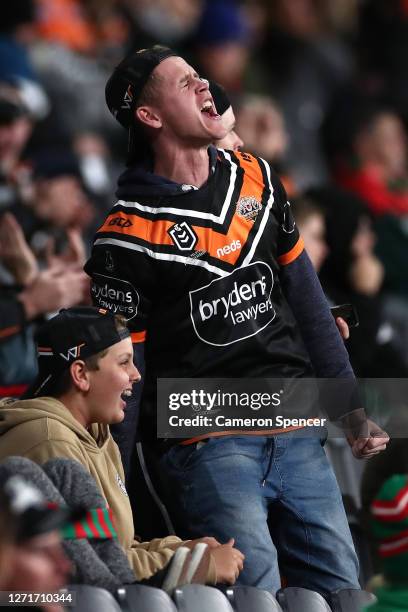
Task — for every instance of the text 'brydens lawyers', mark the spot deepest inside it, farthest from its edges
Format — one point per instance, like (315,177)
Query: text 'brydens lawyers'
(220,420)
(239,294)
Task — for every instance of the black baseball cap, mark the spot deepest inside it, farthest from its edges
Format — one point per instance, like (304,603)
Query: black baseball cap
(123,90)
(126,83)
(74,333)
(30,513)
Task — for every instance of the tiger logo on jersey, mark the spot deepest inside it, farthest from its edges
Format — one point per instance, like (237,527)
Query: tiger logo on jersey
(248,207)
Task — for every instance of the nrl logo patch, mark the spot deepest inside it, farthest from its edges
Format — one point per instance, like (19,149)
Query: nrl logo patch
(248,207)
(183,236)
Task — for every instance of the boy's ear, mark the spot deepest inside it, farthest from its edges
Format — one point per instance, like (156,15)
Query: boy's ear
(80,375)
(149,117)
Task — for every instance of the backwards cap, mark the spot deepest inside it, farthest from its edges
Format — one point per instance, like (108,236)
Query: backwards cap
(124,87)
(74,333)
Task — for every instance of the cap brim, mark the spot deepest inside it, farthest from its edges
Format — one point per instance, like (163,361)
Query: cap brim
(39,387)
(38,522)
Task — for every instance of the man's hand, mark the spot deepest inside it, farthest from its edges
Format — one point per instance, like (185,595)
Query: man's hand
(229,562)
(53,289)
(15,253)
(365,437)
(74,254)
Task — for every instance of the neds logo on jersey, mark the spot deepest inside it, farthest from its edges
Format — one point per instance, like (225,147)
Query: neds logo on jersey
(234,307)
(115,294)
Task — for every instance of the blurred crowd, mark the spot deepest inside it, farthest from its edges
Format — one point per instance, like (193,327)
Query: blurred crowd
(317,88)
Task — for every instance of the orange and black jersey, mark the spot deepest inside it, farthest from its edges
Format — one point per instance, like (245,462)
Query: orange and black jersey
(197,273)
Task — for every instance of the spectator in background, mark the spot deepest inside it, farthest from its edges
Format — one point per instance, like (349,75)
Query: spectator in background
(309,218)
(29,536)
(257,122)
(221,43)
(389,512)
(90,542)
(30,295)
(76,44)
(377,171)
(17,34)
(353,273)
(311,224)
(16,125)
(261,124)
(170,21)
(305,61)
(60,201)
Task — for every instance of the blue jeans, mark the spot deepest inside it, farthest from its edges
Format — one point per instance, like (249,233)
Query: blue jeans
(279,499)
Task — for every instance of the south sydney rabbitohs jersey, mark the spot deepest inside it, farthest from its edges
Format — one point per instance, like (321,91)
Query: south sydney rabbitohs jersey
(197,276)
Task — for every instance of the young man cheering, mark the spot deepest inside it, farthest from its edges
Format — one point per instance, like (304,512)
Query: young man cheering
(165,259)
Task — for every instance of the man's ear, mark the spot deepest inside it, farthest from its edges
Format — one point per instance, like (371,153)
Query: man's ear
(148,116)
(80,375)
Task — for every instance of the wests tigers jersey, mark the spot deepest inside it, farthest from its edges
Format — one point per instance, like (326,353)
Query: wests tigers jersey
(196,273)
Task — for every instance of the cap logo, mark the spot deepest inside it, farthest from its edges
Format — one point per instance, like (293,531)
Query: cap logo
(73,353)
(127,98)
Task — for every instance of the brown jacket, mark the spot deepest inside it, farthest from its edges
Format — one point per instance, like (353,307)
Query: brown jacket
(43,428)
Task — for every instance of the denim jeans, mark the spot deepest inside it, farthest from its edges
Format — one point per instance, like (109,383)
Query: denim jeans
(277,496)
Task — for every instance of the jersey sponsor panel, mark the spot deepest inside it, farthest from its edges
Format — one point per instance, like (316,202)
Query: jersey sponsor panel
(235,307)
(115,294)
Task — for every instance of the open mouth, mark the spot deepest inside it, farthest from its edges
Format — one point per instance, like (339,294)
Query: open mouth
(126,394)
(208,109)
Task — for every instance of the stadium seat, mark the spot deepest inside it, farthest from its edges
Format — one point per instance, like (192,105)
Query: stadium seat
(87,597)
(141,598)
(351,600)
(296,599)
(200,598)
(251,599)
